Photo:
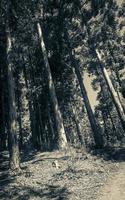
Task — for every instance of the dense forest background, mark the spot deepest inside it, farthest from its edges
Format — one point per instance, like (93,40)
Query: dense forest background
(46,48)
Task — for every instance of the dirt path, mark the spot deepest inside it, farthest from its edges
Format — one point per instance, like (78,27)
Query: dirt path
(79,177)
(115,187)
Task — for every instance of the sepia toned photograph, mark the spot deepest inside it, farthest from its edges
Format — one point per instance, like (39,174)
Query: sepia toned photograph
(62,100)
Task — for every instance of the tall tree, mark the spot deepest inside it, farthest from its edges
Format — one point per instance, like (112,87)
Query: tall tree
(112,90)
(62,141)
(13,139)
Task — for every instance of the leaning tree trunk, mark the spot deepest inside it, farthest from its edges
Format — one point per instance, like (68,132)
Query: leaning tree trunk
(62,140)
(113,93)
(97,137)
(13,140)
(96,133)
(117,76)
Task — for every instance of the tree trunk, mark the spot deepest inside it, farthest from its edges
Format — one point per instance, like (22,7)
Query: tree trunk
(91,117)
(3,135)
(62,140)
(80,136)
(25,112)
(31,111)
(104,117)
(107,113)
(114,69)
(112,90)
(52,132)
(13,140)
(92,120)
(19,106)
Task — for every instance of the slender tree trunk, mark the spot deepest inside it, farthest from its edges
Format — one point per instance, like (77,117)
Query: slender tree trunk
(104,117)
(13,140)
(112,90)
(42,131)
(19,114)
(52,132)
(62,140)
(25,113)
(31,111)
(80,136)
(2,115)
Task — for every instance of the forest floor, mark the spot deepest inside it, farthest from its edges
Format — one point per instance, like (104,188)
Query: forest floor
(69,175)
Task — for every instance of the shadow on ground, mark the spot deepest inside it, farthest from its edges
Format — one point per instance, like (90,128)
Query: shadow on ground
(5,177)
(23,191)
(47,192)
(111,153)
(10,190)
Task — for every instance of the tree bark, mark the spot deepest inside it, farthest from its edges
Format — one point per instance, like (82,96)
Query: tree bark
(62,140)
(19,106)
(13,140)
(3,135)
